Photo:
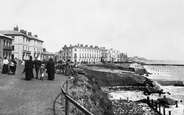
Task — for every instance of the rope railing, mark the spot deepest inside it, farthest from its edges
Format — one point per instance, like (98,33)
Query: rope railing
(68,99)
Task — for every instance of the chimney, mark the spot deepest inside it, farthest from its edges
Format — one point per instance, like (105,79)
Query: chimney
(16,28)
(36,36)
(30,33)
(25,32)
(70,45)
(21,31)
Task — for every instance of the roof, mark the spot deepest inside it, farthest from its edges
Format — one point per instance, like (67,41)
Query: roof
(2,35)
(48,53)
(136,65)
(34,38)
(84,47)
(12,32)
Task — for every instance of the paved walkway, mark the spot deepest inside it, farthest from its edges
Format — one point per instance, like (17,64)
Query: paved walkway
(21,97)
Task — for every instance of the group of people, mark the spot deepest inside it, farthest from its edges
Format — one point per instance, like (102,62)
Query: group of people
(39,67)
(9,67)
(66,68)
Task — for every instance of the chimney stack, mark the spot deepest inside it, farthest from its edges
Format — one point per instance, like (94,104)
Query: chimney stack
(30,33)
(36,36)
(25,32)
(21,31)
(16,28)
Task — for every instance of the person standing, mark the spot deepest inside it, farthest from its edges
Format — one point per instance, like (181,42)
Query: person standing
(67,68)
(11,68)
(5,66)
(29,68)
(37,64)
(50,69)
(15,66)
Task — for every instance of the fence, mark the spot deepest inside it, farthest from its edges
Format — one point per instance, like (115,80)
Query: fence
(157,107)
(68,99)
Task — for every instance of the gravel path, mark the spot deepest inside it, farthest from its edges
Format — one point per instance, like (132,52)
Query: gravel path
(21,97)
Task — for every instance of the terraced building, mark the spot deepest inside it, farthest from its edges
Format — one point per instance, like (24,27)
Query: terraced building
(24,44)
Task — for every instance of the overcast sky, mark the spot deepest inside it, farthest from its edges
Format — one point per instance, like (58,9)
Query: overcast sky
(153,29)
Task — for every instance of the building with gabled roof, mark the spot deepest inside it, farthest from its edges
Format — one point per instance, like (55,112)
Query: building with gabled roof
(24,43)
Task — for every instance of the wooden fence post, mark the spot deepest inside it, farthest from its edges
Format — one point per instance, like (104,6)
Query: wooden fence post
(163,110)
(169,112)
(152,103)
(66,100)
(176,104)
(156,105)
(148,100)
(159,108)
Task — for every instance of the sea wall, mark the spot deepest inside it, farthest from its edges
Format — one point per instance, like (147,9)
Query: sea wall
(88,92)
(169,82)
(115,79)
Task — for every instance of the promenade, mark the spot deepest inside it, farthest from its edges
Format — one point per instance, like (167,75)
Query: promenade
(34,97)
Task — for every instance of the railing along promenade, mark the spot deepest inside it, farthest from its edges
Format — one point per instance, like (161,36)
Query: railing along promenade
(68,99)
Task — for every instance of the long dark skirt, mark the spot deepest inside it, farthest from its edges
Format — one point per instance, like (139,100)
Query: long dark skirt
(67,70)
(51,74)
(5,69)
(29,73)
(14,70)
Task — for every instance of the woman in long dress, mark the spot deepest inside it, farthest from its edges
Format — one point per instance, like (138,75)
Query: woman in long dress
(50,69)
(68,68)
(29,69)
(5,66)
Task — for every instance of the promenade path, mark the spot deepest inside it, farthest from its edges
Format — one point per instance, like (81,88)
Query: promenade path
(21,97)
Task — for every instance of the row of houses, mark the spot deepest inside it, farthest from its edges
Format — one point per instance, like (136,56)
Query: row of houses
(90,54)
(20,44)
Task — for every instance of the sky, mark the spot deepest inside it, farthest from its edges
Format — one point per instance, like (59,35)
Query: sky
(153,29)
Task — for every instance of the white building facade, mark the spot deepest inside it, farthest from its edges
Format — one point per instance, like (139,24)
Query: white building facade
(24,44)
(80,53)
(113,55)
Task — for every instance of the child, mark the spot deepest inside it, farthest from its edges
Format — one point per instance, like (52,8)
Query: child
(42,70)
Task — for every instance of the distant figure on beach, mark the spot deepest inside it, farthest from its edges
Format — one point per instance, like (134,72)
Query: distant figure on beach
(5,66)
(50,69)
(37,64)
(29,69)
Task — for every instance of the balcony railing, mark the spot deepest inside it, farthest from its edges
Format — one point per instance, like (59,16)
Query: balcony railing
(26,51)
(7,48)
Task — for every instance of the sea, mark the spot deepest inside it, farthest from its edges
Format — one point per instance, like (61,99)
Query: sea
(173,70)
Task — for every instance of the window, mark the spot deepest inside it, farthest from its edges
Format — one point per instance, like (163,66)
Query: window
(13,47)
(75,55)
